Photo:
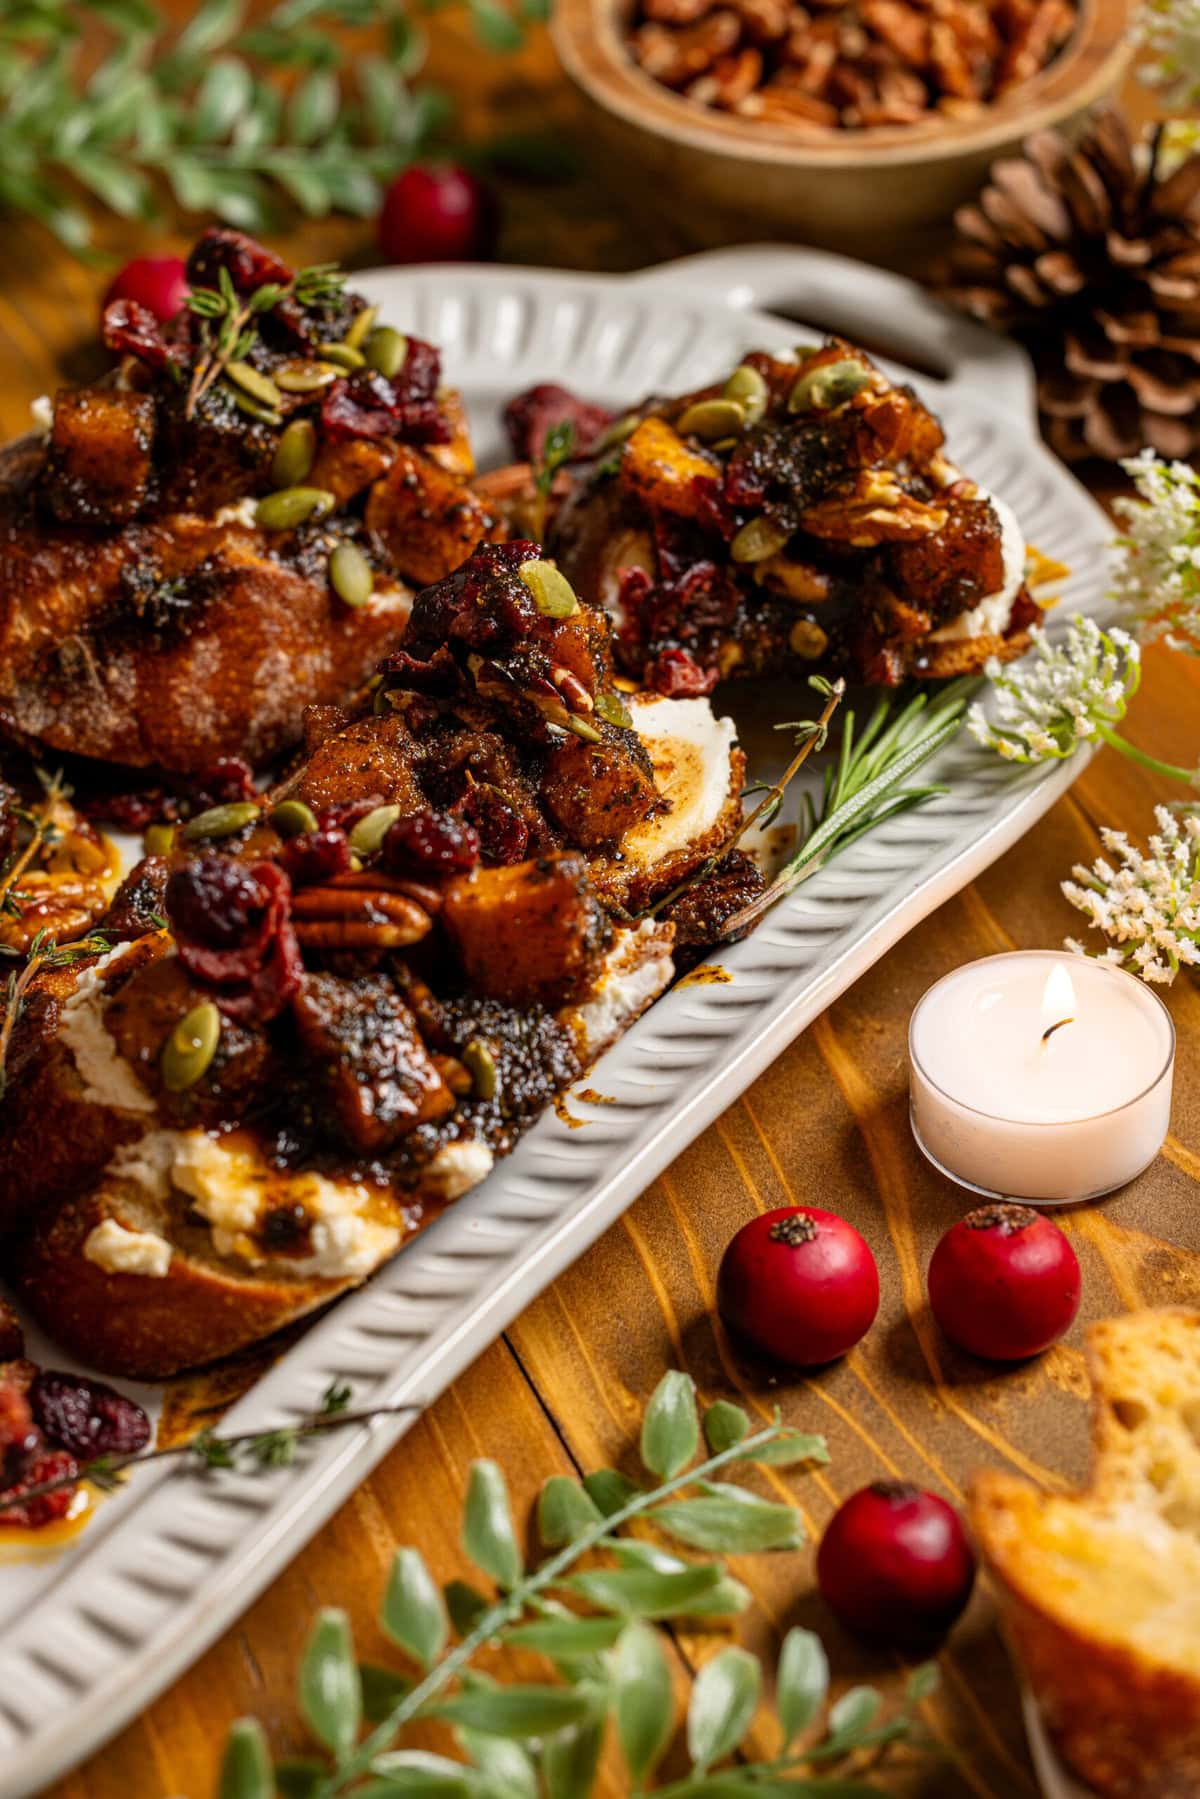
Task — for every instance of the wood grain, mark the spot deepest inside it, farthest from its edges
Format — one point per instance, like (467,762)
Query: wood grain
(826,1123)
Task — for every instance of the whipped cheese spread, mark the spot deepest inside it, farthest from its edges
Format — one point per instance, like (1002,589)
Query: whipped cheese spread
(108,1079)
(121,1251)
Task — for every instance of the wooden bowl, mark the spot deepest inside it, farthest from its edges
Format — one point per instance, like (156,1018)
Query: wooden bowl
(853,190)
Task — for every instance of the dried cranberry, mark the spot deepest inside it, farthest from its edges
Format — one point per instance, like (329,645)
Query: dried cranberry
(129,811)
(484,605)
(503,837)
(214,901)
(130,329)
(50,1464)
(677,675)
(430,844)
(233,930)
(367,404)
(421,371)
(248,263)
(316,856)
(346,815)
(531,415)
(18,1436)
(87,1417)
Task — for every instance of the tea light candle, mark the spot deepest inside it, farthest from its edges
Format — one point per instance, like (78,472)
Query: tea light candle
(1041,1077)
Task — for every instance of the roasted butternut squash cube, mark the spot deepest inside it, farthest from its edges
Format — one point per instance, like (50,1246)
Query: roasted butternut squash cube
(664,472)
(530,934)
(428,519)
(375,1073)
(99,459)
(596,791)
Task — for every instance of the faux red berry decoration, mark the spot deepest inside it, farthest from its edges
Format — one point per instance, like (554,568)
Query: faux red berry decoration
(1004,1282)
(800,1284)
(159,283)
(437,214)
(895,1565)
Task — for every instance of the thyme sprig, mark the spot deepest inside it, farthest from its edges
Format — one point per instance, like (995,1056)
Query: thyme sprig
(244,1450)
(590,1607)
(558,448)
(229,327)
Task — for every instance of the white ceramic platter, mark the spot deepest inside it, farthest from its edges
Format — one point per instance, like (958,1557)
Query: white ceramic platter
(88,1638)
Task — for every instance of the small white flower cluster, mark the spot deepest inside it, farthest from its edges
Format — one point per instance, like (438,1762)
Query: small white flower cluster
(1157,578)
(1065,692)
(1148,906)
(1170,29)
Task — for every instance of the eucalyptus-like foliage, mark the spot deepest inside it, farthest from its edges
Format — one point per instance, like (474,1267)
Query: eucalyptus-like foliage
(597,1607)
(232,117)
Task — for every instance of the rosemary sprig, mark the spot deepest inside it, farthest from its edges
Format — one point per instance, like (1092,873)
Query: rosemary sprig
(865,785)
(253,1449)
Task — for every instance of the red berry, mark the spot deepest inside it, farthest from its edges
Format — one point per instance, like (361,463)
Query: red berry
(437,214)
(800,1284)
(159,283)
(43,1465)
(895,1566)
(1004,1282)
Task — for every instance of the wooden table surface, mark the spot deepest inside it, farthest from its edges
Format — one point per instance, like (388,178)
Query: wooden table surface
(827,1123)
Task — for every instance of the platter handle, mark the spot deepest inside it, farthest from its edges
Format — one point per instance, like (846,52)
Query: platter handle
(889,313)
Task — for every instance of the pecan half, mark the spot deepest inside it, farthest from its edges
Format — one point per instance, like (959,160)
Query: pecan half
(364,911)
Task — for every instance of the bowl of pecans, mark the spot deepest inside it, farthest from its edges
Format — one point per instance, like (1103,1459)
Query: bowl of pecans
(834,121)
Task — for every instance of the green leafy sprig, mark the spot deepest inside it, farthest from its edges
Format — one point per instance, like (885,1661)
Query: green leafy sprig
(556,450)
(229,320)
(595,1621)
(230,116)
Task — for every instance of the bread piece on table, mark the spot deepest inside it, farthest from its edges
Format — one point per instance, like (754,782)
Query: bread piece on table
(1101,1589)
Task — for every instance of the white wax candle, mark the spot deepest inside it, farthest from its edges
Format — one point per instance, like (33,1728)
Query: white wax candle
(1040,1076)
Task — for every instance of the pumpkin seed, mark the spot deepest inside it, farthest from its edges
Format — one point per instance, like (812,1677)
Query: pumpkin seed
(807,639)
(710,419)
(615,434)
(361,326)
(386,350)
(254,409)
(345,355)
(830,385)
(252,381)
(305,377)
(758,538)
(609,706)
(579,727)
(291,506)
(292,818)
(294,453)
(369,833)
(351,575)
(221,821)
(748,388)
(552,593)
(190,1047)
(159,840)
(480,1063)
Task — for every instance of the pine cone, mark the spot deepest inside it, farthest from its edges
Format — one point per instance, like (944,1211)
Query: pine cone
(1090,255)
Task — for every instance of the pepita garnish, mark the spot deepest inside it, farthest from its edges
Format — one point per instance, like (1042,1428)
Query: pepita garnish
(807,639)
(758,538)
(252,381)
(610,708)
(159,840)
(579,727)
(292,818)
(221,821)
(294,453)
(305,377)
(385,350)
(351,575)
(190,1047)
(345,355)
(552,593)
(615,434)
(480,1064)
(361,326)
(750,390)
(369,833)
(830,385)
(254,409)
(710,419)
(291,506)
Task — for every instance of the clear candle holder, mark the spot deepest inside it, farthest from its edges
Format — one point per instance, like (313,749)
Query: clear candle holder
(1039,1077)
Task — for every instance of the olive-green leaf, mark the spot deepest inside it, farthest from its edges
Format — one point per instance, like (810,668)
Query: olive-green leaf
(724,1425)
(246,1764)
(412,1613)
(724,1697)
(609,1490)
(382,1690)
(922,1682)
(224,93)
(853,1712)
(299,1777)
(725,1597)
(732,1526)
(670,1429)
(210,26)
(564,1511)
(801,1681)
(564,1638)
(418,1771)
(314,106)
(522,1711)
(642,1699)
(570,1759)
(644,1593)
(330,1690)
(789,1448)
(488,1534)
(464,1603)
(507,1769)
(835,1788)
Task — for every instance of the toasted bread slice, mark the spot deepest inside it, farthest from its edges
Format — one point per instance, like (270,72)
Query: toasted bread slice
(1101,1589)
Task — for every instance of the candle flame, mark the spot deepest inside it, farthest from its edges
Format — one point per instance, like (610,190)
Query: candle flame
(1058,997)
